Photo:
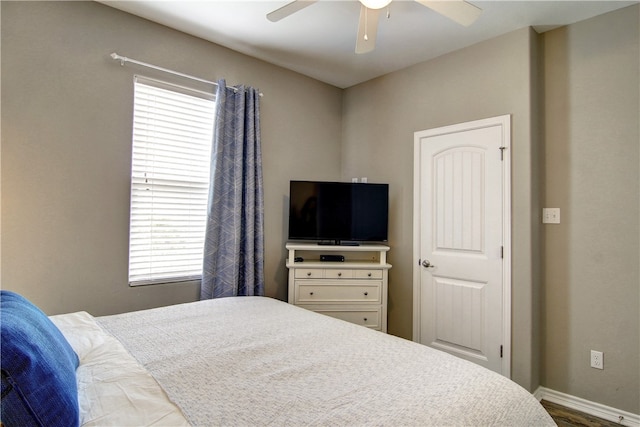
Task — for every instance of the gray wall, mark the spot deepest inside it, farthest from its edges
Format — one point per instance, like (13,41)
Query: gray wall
(66,149)
(592,284)
(486,80)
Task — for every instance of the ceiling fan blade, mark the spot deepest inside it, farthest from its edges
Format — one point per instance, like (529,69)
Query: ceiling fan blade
(460,11)
(289,9)
(367,29)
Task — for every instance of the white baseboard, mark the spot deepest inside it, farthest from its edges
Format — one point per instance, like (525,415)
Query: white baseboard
(596,409)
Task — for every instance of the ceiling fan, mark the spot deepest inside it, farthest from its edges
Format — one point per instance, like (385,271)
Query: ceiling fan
(460,11)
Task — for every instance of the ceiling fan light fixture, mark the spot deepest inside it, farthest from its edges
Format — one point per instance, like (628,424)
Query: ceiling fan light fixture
(375,4)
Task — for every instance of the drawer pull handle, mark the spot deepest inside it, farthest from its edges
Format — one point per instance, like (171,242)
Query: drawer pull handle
(369,274)
(339,274)
(366,293)
(310,293)
(308,274)
(365,319)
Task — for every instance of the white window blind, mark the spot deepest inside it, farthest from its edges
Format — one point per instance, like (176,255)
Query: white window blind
(172,138)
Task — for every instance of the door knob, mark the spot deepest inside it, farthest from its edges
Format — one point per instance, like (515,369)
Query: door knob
(427,264)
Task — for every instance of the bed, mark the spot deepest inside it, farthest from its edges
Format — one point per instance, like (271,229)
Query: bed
(252,361)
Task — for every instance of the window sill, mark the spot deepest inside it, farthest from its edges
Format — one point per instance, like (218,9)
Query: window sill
(167,281)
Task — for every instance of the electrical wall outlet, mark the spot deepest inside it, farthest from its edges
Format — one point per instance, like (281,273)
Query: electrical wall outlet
(597,359)
(551,215)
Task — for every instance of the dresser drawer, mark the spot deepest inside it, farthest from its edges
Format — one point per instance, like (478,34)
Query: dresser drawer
(368,274)
(310,293)
(335,273)
(338,274)
(309,273)
(368,318)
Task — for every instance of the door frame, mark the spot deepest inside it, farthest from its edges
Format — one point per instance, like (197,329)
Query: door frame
(504,122)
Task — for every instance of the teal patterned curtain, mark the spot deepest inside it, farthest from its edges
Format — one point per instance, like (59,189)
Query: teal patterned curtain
(234,242)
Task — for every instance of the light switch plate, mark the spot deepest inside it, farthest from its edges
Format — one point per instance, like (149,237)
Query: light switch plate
(551,215)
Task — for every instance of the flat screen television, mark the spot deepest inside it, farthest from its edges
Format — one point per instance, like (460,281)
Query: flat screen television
(338,212)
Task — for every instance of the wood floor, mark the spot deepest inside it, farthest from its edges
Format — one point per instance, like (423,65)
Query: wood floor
(566,417)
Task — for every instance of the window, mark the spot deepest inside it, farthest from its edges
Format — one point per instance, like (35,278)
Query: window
(172,137)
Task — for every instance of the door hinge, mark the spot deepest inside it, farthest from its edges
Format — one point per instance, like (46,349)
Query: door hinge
(500,351)
(502,152)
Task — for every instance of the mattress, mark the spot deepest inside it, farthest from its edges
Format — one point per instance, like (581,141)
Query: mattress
(253,361)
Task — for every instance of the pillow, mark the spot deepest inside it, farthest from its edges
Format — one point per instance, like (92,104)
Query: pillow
(38,367)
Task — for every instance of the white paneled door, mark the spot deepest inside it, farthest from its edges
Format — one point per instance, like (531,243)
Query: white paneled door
(461,231)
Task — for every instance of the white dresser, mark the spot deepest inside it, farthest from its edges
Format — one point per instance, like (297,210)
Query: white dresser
(354,290)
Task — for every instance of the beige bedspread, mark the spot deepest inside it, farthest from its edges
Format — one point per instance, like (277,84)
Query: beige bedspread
(255,361)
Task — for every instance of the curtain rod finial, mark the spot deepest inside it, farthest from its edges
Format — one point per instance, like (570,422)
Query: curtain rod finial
(115,56)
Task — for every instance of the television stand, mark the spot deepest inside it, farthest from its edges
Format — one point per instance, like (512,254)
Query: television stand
(354,290)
